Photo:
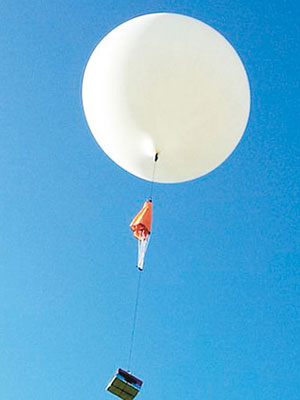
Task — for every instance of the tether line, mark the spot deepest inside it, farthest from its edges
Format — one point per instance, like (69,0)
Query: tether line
(153,175)
(134,320)
(139,282)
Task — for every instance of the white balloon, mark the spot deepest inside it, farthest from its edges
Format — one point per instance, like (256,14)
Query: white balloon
(170,84)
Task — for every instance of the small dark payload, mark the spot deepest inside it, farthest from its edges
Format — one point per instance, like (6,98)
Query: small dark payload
(124,385)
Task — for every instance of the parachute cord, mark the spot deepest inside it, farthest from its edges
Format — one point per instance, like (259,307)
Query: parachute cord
(134,321)
(139,281)
(153,175)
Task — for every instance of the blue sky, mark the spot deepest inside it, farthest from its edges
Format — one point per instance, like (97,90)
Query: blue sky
(219,308)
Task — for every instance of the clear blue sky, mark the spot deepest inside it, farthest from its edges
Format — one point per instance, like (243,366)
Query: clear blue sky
(219,313)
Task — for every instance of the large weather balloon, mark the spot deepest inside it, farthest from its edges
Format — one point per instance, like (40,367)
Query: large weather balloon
(168,84)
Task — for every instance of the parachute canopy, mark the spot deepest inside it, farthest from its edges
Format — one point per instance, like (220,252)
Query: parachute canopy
(142,222)
(169,84)
(141,226)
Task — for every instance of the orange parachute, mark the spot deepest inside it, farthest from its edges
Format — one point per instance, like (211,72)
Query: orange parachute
(142,222)
(141,227)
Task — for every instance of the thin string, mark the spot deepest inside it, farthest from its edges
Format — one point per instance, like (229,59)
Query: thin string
(139,282)
(153,176)
(134,320)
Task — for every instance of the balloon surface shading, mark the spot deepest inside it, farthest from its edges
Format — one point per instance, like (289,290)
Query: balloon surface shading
(170,84)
